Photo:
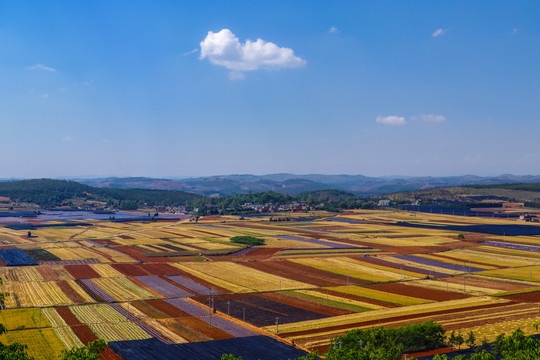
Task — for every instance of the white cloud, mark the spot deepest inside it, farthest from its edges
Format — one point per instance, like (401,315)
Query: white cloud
(190,52)
(45,95)
(438,32)
(391,120)
(333,30)
(40,67)
(515,30)
(87,83)
(236,75)
(430,118)
(67,138)
(223,48)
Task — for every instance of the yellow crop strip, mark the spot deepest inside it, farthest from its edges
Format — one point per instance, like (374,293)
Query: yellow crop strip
(528,273)
(42,344)
(344,266)
(62,330)
(380,295)
(121,288)
(107,323)
(239,278)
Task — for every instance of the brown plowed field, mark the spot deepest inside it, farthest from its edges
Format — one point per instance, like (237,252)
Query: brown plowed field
(160,269)
(151,311)
(130,269)
(47,273)
(165,308)
(70,293)
(412,317)
(418,292)
(526,297)
(81,271)
(138,254)
(487,283)
(301,273)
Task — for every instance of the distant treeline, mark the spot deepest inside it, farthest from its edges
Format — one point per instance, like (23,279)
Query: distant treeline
(49,193)
(521,186)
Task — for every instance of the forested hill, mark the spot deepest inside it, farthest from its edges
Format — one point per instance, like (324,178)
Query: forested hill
(524,187)
(50,193)
(528,193)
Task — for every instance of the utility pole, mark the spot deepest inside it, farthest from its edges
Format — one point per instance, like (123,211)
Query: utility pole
(277,325)
(229,307)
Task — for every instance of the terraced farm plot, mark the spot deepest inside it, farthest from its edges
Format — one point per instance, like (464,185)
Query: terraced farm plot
(62,330)
(33,294)
(355,269)
(238,278)
(386,296)
(121,288)
(107,323)
(43,344)
(18,274)
(527,273)
(18,319)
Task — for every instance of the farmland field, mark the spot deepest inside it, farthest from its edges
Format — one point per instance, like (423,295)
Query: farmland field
(181,281)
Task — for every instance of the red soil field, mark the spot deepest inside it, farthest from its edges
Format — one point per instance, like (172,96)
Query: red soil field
(81,271)
(166,308)
(418,292)
(533,297)
(498,284)
(130,269)
(69,292)
(139,254)
(47,273)
(301,273)
(160,269)
(205,328)
(125,237)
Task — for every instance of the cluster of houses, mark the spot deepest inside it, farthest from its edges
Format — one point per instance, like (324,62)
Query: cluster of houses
(296,206)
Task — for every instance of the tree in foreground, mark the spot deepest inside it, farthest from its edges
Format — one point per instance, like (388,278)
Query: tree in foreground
(90,352)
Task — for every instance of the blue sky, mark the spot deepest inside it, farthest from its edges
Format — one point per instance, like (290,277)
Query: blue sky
(185,88)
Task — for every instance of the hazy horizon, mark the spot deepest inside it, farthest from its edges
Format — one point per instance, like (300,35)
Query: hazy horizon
(137,88)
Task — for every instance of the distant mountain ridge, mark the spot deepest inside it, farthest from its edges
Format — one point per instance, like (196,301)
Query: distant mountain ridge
(224,185)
